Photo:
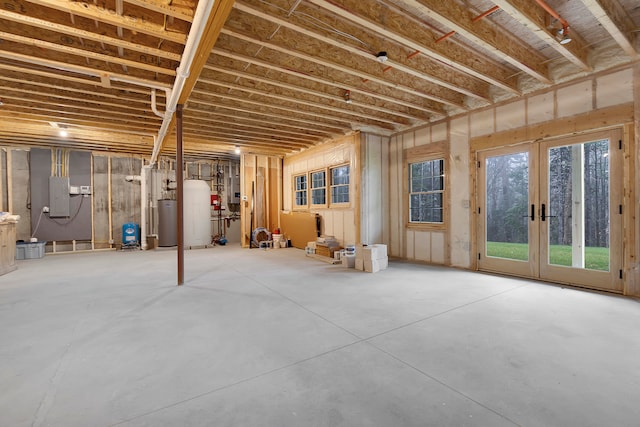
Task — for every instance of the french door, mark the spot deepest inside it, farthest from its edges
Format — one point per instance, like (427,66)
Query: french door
(553,210)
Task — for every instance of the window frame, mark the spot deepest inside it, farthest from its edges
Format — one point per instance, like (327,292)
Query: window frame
(429,152)
(331,186)
(310,188)
(296,191)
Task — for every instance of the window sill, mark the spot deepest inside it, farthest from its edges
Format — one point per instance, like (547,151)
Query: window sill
(426,226)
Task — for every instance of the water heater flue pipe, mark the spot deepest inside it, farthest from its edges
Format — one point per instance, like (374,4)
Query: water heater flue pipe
(198,26)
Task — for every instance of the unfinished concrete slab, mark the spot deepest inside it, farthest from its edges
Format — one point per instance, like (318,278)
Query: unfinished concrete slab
(271,337)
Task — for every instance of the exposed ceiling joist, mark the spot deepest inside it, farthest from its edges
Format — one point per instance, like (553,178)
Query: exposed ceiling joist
(531,15)
(409,34)
(616,21)
(130,22)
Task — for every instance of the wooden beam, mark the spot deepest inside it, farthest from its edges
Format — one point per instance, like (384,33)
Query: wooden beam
(58,65)
(181,10)
(215,22)
(357,116)
(500,43)
(54,47)
(338,130)
(460,85)
(343,86)
(88,9)
(535,18)
(253,77)
(88,35)
(420,39)
(616,21)
(433,106)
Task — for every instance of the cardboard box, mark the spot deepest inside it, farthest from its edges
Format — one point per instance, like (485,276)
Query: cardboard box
(359,264)
(360,251)
(373,252)
(373,266)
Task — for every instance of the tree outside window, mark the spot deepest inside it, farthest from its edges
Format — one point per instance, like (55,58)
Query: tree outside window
(426,191)
(318,188)
(340,184)
(301,190)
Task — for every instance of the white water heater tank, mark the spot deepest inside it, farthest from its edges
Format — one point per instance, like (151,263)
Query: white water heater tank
(197,213)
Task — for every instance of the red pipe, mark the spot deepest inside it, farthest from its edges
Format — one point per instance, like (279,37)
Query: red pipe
(552,12)
(446,36)
(485,14)
(414,54)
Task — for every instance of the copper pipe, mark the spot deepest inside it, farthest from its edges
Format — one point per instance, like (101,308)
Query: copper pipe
(485,14)
(446,36)
(552,12)
(414,54)
(387,69)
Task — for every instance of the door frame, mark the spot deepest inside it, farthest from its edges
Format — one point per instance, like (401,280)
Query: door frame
(542,270)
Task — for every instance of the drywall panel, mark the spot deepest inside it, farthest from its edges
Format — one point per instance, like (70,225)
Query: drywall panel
(20,201)
(408,140)
(101,201)
(460,195)
(3,180)
(438,248)
(371,181)
(439,132)
(540,108)
(410,242)
(422,245)
(614,89)
(395,197)
(575,99)
(422,137)
(482,123)
(349,224)
(510,116)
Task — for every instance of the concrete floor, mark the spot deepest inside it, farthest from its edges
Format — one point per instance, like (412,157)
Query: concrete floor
(272,338)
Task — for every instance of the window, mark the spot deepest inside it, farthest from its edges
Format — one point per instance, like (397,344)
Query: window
(301,190)
(426,190)
(319,188)
(340,184)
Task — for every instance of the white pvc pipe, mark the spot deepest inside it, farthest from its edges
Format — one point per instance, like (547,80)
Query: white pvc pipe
(198,27)
(154,106)
(144,203)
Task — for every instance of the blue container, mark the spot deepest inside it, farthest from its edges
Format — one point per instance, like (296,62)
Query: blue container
(130,234)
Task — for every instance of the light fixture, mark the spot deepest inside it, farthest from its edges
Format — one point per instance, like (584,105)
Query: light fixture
(1,103)
(382,56)
(347,96)
(63,133)
(237,150)
(563,35)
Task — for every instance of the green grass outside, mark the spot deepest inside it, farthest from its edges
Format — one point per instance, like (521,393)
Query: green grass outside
(595,258)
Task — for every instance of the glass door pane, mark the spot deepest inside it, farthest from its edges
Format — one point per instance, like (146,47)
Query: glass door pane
(507,206)
(579,206)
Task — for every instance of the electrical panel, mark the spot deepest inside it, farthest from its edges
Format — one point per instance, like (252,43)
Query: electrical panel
(58,196)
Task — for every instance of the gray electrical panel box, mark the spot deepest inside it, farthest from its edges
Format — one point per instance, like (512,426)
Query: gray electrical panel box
(58,196)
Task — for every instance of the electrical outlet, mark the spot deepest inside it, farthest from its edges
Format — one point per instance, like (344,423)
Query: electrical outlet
(45,209)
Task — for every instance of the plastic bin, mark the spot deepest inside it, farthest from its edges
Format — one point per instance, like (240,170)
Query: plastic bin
(30,250)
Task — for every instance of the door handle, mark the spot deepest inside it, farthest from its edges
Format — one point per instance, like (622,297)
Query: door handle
(533,212)
(543,215)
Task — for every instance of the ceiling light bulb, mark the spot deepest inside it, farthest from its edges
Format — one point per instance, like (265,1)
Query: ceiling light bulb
(382,56)
(347,96)
(563,35)
(63,133)
(1,103)
(237,150)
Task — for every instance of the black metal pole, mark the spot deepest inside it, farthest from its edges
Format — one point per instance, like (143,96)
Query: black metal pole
(180,194)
